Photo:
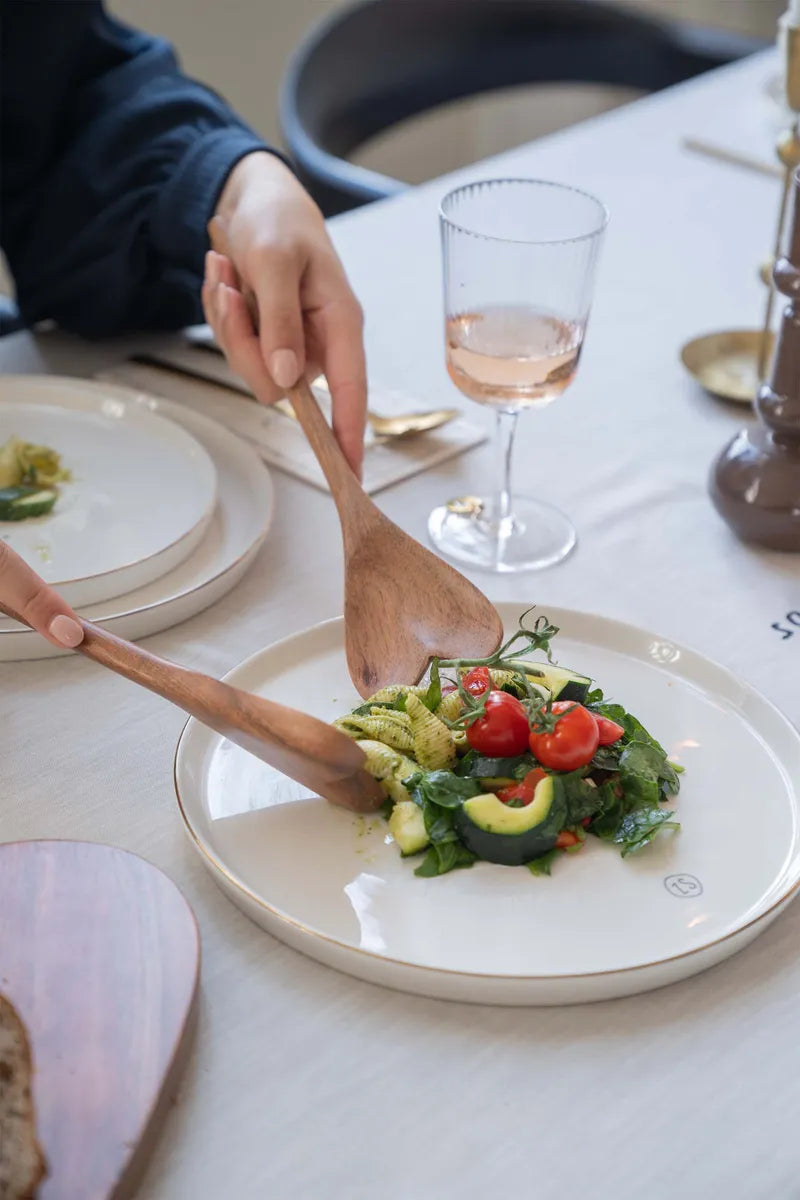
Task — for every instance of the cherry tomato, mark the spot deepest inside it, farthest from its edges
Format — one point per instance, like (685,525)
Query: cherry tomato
(573,741)
(566,838)
(477,681)
(524,790)
(502,731)
(609,730)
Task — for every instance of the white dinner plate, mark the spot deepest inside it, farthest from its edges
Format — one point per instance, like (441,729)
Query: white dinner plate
(141,496)
(332,885)
(237,530)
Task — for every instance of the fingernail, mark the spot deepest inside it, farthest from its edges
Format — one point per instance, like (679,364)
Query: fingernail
(212,268)
(284,368)
(66,631)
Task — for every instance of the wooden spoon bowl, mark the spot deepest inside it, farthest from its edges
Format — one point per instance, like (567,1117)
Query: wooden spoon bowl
(402,604)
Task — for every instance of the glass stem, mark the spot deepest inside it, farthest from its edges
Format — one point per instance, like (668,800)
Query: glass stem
(506,429)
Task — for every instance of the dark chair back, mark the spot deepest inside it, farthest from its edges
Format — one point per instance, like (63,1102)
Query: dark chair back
(379,62)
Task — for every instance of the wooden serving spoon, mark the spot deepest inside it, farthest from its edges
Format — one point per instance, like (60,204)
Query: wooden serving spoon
(402,605)
(315,754)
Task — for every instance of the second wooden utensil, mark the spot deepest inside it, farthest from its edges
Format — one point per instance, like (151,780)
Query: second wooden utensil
(324,760)
(403,605)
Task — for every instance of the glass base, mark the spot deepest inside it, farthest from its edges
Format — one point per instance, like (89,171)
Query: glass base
(535,536)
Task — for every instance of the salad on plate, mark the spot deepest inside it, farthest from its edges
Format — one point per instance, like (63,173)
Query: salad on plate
(512,760)
(29,476)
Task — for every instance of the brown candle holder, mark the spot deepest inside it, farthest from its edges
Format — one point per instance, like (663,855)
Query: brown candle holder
(755,482)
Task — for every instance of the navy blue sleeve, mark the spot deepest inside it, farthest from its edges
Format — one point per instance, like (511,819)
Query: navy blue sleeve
(112,163)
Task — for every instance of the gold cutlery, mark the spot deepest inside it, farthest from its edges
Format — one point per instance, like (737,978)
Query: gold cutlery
(385,428)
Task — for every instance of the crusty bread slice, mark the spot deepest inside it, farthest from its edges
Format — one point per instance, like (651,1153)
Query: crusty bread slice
(22,1164)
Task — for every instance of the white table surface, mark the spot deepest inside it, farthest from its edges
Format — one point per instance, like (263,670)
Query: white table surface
(306,1083)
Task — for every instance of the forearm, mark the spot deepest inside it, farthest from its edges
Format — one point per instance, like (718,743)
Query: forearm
(109,230)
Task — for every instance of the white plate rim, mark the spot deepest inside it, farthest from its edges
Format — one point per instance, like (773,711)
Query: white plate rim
(176,412)
(191,537)
(232,881)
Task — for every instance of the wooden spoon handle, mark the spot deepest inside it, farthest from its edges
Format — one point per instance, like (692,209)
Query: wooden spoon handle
(283,736)
(190,690)
(279,730)
(345,488)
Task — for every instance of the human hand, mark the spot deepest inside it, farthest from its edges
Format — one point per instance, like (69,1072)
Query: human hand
(308,317)
(24,594)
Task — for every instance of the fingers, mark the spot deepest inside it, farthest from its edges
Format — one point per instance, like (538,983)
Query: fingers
(346,371)
(275,275)
(227,314)
(273,359)
(22,591)
(276,287)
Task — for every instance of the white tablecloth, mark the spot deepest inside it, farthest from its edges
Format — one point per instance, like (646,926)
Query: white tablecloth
(308,1084)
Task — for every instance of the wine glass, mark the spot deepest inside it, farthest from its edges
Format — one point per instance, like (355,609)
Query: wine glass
(519,266)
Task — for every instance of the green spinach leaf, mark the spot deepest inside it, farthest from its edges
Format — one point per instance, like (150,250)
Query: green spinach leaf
(396,705)
(611,810)
(443,857)
(641,761)
(606,758)
(582,798)
(433,696)
(639,827)
(543,864)
(442,788)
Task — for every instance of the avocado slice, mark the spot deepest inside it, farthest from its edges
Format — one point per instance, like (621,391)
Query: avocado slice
(492,816)
(499,833)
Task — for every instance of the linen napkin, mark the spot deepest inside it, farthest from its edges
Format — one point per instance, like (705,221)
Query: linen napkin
(278,438)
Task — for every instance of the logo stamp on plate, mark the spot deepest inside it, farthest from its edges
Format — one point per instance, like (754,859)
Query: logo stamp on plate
(683,886)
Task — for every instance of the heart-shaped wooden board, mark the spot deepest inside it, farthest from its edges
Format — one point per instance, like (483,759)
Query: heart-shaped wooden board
(100,955)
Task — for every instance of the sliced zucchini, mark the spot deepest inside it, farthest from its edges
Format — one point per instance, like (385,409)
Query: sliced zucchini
(18,503)
(407,827)
(513,836)
(560,682)
(478,766)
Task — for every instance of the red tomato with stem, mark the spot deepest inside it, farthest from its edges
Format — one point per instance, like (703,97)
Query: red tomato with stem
(502,730)
(571,743)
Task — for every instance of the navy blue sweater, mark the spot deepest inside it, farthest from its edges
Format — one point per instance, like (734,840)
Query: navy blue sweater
(111,165)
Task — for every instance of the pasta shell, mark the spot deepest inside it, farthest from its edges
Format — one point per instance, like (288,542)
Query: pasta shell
(381,728)
(389,767)
(434,744)
(450,707)
(388,694)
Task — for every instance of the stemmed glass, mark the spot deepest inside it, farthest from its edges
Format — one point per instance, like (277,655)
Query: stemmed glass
(519,267)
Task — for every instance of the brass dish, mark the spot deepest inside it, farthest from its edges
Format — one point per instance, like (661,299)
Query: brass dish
(726,363)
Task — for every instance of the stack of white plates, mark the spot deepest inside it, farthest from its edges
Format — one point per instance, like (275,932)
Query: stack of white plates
(163,513)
